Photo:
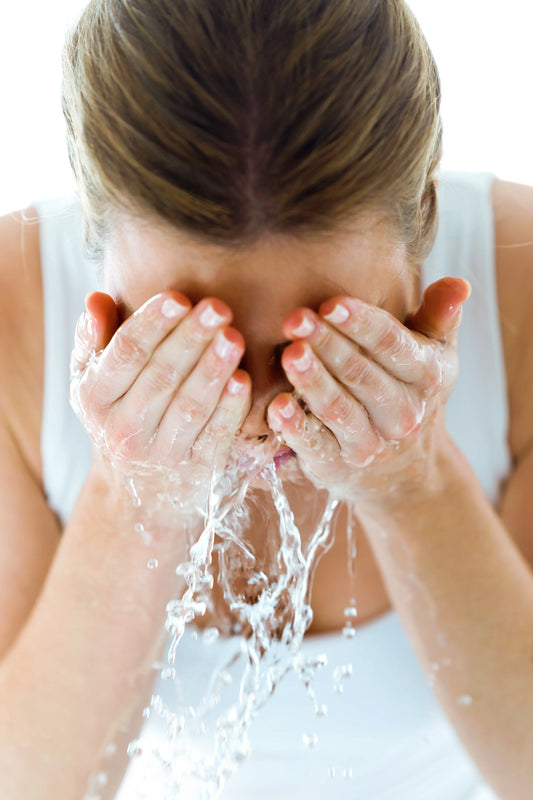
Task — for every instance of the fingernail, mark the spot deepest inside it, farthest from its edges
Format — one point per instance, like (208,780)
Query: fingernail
(172,309)
(234,387)
(223,348)
(287,411)
(338,315)
(209,317)
(304,362)
(305,328)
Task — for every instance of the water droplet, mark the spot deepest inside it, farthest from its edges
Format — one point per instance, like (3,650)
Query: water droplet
(210,635)
(342,672)
(348,632)
(310,740)
(134,749)
(226,527)
(350,612)
(133,492)
(146,712)
(153,563)
(332,773)
(168,674)
(139,527)
(111,749)
(347,773)
(338,688)
(226,678)
(464,700)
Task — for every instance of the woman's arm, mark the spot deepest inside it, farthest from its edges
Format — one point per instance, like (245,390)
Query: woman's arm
(42,753)
(465,596)
(469,603)
(84,614)
(376,436)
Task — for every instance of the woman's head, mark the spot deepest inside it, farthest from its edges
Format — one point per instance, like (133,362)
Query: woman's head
(232,120)
(270,152)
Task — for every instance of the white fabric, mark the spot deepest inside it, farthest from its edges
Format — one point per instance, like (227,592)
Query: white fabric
(387,726)
(67,278)
(477,412)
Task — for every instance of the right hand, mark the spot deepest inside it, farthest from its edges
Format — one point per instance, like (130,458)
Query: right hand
(162,391)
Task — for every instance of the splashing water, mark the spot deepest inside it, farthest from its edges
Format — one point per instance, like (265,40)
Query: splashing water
(266,583)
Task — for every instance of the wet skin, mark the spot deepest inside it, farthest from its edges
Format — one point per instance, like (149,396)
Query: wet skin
(340,323)
(364,375)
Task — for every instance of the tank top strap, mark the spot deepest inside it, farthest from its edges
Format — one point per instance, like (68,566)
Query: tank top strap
(66,277)
(477,411)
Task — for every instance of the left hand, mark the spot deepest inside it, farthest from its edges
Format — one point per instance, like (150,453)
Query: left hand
(375,391)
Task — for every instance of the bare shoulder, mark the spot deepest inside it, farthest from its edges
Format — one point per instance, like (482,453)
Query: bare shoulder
(513,217)
(21,333)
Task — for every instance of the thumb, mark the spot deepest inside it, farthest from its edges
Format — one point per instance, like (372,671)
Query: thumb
(105,317)
(440,312)
(94,329)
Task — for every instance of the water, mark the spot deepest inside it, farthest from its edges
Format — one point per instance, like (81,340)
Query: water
(265,581)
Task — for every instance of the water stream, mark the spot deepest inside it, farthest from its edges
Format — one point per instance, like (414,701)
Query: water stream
(254,553)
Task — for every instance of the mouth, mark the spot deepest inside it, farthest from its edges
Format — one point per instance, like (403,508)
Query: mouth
(283,455)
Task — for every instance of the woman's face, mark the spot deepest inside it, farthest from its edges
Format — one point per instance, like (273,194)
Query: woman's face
(261,283)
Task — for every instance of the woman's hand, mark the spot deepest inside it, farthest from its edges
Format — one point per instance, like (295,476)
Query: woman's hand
(163,389)
(375,392)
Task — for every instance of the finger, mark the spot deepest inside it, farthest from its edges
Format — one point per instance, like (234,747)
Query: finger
(343,322)
(94,329)
(214,442)
(394,407)
(173,361)
(331,403)
(104,313)
(157,346)
(439,315)
(315,446)
(197,398)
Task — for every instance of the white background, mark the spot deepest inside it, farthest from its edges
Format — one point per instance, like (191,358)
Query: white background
(483,48)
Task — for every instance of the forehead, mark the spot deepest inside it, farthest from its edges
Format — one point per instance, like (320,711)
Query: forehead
(144,256)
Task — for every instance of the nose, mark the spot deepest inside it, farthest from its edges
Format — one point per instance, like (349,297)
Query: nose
(268,380)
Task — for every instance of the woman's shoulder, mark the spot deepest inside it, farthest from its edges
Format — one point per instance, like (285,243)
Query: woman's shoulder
(21,333)
(513,225)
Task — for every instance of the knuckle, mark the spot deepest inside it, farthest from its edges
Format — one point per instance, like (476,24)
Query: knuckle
(407,422)
(162,377)
(194,335)
(434,374)
(84,392)
(390,342)
(188,411)
(339,409)
(324,337)
(122,439)
(126,348)
(357,370)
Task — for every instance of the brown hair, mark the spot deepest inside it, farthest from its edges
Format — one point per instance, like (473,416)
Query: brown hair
(231,119)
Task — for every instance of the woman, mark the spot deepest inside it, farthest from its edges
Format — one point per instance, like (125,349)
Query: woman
(258,184)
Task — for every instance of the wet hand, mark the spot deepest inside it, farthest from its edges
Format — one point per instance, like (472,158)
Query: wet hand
(162,390)
(373,389)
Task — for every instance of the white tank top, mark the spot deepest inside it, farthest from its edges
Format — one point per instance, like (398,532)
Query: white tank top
(385,737)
